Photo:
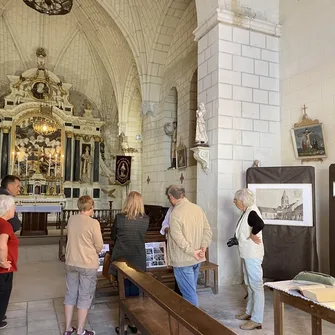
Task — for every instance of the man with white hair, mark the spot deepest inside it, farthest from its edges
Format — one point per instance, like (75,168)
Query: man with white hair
(188,240)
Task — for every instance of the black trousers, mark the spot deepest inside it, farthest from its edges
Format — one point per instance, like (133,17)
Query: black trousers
(6,284)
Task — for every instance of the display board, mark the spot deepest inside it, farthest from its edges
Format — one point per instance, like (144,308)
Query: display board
(290,238)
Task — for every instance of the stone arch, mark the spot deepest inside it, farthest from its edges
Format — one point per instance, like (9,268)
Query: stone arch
(132,87)
(170,116)
(192,114)
(134,141)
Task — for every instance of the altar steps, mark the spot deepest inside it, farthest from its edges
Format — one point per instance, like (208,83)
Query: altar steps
(52,237)
(38,240)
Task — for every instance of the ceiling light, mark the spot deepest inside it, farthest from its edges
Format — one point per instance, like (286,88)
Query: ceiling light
(50,7)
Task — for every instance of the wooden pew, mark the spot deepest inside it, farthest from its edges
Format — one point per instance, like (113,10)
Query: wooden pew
(161,311)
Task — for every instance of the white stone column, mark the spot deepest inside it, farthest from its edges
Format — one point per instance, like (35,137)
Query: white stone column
(238,80)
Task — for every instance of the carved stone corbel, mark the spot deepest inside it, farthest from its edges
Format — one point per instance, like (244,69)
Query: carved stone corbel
(201,154)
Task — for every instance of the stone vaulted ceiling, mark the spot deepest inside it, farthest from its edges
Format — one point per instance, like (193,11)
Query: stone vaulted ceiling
(106,48)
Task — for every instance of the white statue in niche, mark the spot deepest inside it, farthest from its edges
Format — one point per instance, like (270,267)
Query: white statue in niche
(86,166)
(201,137)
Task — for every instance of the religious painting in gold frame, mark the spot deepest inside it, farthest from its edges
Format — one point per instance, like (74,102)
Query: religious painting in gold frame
(308,139)
(35,153)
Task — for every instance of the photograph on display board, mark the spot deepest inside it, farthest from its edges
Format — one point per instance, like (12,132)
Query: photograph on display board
(284,204)
(155,254)
(102,254)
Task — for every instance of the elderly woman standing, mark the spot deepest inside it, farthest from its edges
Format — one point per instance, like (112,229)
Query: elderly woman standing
(9,244)
(128,232)
(250,245)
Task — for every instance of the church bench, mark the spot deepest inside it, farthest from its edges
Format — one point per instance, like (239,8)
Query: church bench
(208,266)
(160,310)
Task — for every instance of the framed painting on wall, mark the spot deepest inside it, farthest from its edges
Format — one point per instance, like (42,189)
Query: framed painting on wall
(285,204)
(181,157)
(308,139)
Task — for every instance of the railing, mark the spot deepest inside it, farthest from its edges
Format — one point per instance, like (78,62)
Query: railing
(104,216)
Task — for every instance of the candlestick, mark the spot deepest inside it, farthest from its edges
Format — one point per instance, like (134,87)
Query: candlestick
(13,162)
(49,165)
(62,166)
(18,163)
(56,165)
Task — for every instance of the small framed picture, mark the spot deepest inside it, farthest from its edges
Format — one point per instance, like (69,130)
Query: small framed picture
(181,157)
(308,139)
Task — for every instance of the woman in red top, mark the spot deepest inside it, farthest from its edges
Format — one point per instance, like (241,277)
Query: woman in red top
(9,244)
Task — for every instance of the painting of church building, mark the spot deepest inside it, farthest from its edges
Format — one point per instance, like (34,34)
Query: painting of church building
(289,208)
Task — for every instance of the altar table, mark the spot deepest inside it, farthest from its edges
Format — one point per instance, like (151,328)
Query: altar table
(35,218)
(318,311)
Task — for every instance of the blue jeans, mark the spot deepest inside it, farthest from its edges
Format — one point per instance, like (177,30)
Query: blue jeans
(187,277)
(253,278)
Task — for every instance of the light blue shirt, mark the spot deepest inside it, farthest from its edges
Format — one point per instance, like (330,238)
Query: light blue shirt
(166,221)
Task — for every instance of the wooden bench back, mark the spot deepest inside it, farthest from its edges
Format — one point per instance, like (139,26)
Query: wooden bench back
(191,317)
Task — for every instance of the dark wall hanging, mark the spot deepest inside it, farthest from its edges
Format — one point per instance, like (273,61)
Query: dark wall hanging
(290,243)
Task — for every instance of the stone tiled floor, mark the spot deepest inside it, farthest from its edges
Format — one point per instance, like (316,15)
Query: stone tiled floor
(36,305)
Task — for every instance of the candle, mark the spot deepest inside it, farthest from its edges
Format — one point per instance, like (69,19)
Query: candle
(26,165)
(13,162)
(62,166)
(18,163)
(49,165)
(56,165)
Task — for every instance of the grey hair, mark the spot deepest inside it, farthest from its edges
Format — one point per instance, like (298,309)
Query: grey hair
(177,191)
(6,204)
(246,196)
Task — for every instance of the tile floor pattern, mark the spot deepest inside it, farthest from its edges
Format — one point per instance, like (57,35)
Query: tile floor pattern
(36,305)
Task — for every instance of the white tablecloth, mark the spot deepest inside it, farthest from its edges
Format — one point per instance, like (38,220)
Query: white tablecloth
(38,208)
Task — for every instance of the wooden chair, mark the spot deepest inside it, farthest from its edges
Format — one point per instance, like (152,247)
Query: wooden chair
(207,267)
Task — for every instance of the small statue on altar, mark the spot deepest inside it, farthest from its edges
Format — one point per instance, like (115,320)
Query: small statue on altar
(86,166)
(41,55)
(201,137)
(20,93)
(59,99)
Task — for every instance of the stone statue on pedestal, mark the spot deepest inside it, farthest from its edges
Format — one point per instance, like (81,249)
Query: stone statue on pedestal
(173,134)
(201,137)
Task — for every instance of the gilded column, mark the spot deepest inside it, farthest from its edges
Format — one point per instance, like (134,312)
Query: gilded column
(96,158)
(76,163)
(5,151)
(68,156)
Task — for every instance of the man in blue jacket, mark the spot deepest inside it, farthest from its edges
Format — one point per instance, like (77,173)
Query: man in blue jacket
(10,185)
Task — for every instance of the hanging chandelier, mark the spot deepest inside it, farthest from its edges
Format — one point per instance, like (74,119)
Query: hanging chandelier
(50,7)
(45,125)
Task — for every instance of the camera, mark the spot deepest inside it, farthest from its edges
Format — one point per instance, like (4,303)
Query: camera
(232,241)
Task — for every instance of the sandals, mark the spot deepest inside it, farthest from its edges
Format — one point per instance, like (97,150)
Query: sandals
(88,332)
(70,332)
